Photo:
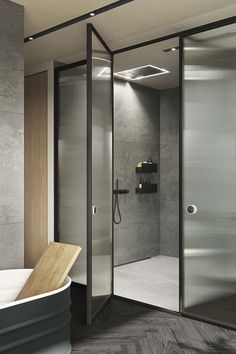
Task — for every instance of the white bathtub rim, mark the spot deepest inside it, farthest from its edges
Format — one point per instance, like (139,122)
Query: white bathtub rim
(65,286)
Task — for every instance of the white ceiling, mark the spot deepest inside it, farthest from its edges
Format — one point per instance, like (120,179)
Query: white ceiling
(134,22)
(42,14)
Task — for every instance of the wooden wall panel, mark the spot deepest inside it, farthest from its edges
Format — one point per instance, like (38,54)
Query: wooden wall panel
(36,96)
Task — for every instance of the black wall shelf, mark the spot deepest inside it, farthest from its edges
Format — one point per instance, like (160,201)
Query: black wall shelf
(147,168)
(147,188)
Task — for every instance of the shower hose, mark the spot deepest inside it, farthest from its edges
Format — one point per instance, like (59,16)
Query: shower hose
(117,220)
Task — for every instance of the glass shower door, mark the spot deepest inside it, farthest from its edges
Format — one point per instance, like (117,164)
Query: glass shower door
(99,172)
(209,175)
(71,157)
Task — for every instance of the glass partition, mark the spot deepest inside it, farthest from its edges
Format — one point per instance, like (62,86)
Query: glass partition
(99,173)
(209,175)
(72,162)
(146,216)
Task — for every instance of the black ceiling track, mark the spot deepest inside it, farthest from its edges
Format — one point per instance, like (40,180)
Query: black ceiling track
(184,33)
(77,19)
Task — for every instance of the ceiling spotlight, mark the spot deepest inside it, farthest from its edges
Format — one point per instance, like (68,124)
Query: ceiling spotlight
(31,38)
(92,14)
(173,48)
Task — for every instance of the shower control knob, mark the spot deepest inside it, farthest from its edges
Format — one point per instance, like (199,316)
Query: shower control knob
(191,209)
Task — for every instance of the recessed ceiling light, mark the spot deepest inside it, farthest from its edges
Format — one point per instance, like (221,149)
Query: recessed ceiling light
(31,38)
(92,14)
(141,72)
(172,49)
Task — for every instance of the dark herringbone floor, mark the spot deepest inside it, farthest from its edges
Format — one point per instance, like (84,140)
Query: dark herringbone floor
(125,328)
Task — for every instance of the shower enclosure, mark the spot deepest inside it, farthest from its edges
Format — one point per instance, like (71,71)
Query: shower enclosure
(84,161)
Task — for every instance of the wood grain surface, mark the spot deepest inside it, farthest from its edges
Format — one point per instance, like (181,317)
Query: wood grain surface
(51,270)
(36,180)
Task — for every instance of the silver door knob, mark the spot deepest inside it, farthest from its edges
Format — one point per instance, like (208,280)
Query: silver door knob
(94,210)
(191,209)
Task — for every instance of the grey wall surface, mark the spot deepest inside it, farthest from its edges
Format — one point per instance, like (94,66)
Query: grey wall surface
(169,172)
(11,135)
(136,131)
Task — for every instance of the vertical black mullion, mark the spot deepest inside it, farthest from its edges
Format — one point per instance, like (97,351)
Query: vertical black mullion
(89,173)
(181,186)
(113,167)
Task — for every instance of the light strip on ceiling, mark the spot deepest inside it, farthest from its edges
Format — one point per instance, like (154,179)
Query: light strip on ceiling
(125,74)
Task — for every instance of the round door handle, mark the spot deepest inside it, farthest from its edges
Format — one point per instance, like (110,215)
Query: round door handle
(191,209)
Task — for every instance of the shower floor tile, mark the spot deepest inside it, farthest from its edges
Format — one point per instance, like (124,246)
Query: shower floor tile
(153,281)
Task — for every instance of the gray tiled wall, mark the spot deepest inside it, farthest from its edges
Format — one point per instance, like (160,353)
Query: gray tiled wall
(169,172)
(137,119)
(11,135)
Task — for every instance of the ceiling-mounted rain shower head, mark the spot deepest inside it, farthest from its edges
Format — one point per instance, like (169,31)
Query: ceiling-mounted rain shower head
(141,72)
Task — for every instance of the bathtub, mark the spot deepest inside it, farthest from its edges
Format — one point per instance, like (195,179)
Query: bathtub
(39,324)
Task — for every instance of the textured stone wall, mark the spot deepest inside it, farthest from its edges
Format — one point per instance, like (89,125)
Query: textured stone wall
(136,131)
(11,135)
(169,172)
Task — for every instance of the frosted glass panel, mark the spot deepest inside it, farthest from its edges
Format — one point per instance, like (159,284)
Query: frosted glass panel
(209,175)
(72,162)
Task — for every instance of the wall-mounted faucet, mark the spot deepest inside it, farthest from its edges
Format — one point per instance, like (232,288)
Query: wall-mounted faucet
(118,191)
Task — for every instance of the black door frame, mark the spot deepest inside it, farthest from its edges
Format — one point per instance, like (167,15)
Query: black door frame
(91,30)
(57,71)
(181,35)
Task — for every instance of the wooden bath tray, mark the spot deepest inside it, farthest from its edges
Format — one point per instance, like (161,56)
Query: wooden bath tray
(51,270)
